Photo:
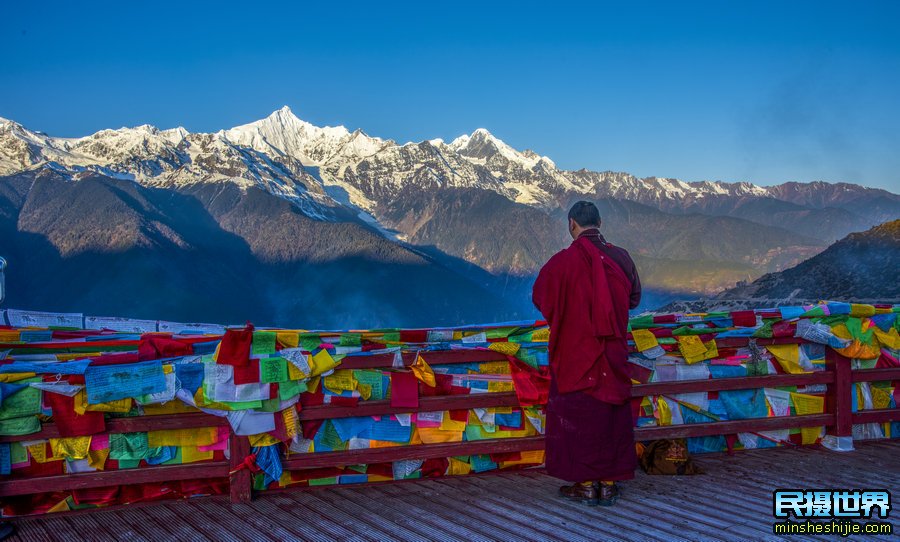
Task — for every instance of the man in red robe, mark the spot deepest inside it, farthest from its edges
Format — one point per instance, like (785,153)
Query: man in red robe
(584,292)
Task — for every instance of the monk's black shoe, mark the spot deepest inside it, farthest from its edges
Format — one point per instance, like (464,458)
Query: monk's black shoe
(580,493)
(608,494)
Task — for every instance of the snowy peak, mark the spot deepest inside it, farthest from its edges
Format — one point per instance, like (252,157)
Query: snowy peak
(482,147)
(308,164)
(284,134)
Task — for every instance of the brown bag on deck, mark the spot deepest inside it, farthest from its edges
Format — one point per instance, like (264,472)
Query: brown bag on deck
(667,457)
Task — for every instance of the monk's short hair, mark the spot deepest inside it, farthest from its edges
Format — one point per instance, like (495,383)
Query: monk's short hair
(585,214)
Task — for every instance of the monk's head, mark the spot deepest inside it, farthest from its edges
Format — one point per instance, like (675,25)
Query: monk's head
(582,216)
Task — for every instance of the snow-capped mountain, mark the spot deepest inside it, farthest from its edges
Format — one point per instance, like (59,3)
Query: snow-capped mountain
(320,168)
(476,203)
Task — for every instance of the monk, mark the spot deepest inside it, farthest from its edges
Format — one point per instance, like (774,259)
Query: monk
(584,292)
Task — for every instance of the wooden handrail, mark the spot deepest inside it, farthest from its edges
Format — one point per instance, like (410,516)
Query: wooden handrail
(85,480)
(189,420)
(838,419)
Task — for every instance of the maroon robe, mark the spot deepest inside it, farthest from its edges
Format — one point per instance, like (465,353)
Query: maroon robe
(585,292)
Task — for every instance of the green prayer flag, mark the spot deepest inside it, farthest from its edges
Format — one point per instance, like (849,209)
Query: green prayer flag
(264,342)
(273,370)
(20,426)
(128,446)
(25,402)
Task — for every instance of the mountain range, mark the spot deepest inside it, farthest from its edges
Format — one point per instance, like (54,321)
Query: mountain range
(287,223)
(862,265)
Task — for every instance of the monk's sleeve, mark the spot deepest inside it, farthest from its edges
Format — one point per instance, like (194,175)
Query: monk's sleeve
(635,299)
(543,293)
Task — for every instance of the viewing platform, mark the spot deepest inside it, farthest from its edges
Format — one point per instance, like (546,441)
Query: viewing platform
(731,501)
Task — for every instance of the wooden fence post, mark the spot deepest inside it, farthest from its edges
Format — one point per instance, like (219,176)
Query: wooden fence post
(240,480)
(839,398)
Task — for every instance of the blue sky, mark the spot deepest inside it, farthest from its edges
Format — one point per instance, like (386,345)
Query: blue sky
(759,91)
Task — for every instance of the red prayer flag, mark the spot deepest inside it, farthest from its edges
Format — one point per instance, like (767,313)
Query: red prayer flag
(532,385)
(69,423)
(744,318)
(404,390)
(235,347)
(247,374)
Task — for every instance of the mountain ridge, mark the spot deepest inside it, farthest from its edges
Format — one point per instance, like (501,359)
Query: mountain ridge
(861,265)
(475,207)
(481,159)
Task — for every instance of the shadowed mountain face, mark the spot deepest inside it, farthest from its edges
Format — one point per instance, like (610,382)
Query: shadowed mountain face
(678,253)
(217,253)
(283,222)
(860,266)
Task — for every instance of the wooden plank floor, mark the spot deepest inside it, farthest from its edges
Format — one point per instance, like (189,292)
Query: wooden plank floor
(732,501)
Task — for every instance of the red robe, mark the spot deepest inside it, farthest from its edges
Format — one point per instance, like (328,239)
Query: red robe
(585,294)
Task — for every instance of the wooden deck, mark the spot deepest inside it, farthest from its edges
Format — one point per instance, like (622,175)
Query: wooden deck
(733,501)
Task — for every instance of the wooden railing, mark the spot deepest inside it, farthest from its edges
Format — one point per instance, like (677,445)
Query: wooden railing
(837,418)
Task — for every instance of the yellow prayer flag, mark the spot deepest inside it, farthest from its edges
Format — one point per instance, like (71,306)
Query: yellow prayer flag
(458,467)
(533,457)
(202,436)
(365,391)
(81,405)
(891,339)
(312,385)
(541,335)
(263,439)
(434,435)
(881,398)
(9,336)
(691,346)
(79,355)
(665,414)
(510,349)
(97,458)
(120,405)
(711,352)
(810,435)
(294,373)
(858,310)
(61,506)
(288,339)
(15,377)
(423,372)
(495,367)
(190,454)
(291,424)
(38,452)
(449,424)
(388,444)
(71,448)
(788,356)
(322,362)
(500,385)
(340,380)
(808,404)
(644,339)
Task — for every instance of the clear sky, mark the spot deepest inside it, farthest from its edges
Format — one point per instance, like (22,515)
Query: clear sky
(758,91)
